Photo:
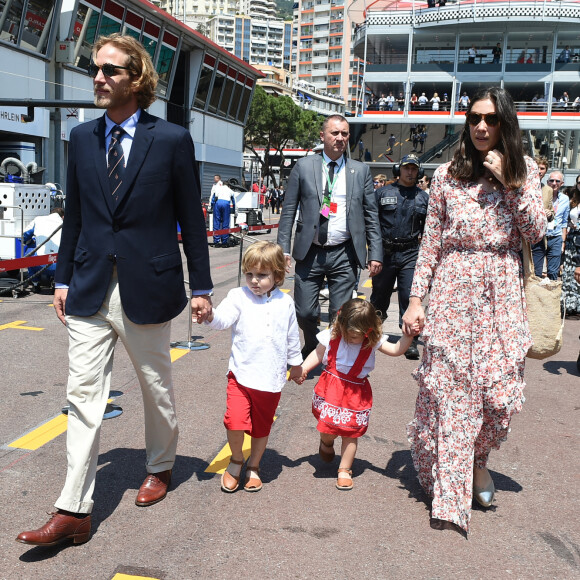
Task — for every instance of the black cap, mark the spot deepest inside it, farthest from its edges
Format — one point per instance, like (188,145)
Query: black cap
(410,159)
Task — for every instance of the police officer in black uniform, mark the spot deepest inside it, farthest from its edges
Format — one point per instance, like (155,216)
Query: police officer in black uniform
(402,212)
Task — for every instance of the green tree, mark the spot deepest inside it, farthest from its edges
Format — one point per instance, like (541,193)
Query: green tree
(273,123)
(202,29)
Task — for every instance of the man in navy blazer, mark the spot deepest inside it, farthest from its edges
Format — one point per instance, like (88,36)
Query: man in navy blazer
(131,178)
(350,218)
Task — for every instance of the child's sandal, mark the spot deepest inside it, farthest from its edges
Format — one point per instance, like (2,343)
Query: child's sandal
(229,481)
(253,483)
(344,481)
(326,456)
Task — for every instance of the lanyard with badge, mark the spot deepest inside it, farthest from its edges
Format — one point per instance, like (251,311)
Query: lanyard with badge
(329,207)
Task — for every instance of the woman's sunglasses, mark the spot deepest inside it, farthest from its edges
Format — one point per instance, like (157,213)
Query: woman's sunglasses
(491,119)
(109,70)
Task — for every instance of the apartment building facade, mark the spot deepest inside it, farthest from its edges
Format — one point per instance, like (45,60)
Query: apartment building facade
(258,41)
(323,55)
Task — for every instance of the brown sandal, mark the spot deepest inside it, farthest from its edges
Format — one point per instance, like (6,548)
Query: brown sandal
(253,483)
(231,482)
(326,456)
(344,483)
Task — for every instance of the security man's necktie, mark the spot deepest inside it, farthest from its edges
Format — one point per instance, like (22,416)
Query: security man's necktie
(323,223)
(116,161)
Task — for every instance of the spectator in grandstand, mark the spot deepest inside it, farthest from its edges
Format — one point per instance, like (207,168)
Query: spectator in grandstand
(401,102)
(565,56)
(471,54)
(496,53)
(414,100)
(435,100)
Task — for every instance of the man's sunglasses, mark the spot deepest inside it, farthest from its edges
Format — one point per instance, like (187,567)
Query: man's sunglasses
(491,119)
(109,70)
(554,181)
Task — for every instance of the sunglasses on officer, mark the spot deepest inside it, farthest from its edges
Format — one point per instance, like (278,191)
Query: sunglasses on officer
(491,119)
(108,69)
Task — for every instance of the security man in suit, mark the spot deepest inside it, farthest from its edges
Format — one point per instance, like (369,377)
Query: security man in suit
(130,178)
(337,221)
(402,212)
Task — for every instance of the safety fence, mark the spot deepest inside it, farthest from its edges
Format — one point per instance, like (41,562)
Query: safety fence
(48,259)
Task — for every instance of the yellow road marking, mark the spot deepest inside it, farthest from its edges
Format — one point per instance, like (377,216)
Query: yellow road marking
(18,325)
(222,459)
(42,434)
(57,426)
(285,290)
(177,353)
(368,283)
(131,577)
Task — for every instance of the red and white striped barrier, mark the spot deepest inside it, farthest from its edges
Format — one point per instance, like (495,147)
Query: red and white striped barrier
(21,263)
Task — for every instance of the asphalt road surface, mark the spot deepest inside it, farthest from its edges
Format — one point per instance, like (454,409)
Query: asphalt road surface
(299,525)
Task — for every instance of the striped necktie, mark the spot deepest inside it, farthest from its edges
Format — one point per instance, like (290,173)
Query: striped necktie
(116,161)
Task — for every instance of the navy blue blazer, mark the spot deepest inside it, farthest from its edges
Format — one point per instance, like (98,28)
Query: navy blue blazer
(138,232)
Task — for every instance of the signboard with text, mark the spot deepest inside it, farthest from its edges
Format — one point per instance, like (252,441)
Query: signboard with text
(12,120)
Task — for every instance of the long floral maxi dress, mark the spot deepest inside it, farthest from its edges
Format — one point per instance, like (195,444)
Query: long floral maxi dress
(476,334)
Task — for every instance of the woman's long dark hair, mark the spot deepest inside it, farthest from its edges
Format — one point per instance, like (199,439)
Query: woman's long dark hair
(466,164)
(574,194)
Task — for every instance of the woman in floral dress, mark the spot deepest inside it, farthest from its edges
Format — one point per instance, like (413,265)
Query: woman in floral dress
(476,335)
(571,288)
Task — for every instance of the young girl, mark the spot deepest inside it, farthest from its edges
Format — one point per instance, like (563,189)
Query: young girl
(264,340)
(342,398)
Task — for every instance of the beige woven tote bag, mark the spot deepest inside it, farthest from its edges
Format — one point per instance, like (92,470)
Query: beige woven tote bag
(544,314)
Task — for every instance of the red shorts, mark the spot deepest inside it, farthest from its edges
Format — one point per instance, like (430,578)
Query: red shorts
(249,410)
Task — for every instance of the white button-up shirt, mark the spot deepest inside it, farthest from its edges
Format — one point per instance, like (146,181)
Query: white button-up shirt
(348,353)
(338,231)
(265,337)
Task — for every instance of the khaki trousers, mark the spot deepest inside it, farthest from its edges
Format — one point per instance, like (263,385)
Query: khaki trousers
(91,348)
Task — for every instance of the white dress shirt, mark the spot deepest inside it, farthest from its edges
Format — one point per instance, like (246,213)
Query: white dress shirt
(129,126)
(348,353)
(265,337)
(338,231)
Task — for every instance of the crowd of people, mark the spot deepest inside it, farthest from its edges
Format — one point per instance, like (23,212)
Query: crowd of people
(555,255)
(438,102)
(459,243)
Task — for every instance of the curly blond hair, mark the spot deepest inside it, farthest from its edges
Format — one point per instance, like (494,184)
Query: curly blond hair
(267,256)
(359,317)
(141,67)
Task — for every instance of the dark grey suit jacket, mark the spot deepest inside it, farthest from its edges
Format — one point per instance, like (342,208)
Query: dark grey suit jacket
(305,190)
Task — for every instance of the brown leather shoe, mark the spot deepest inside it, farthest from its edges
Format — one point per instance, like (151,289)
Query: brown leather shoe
(154,488)
(60,527)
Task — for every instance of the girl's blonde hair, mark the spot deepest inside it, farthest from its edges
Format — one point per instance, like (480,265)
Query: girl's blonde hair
(358,317)
(266,255)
